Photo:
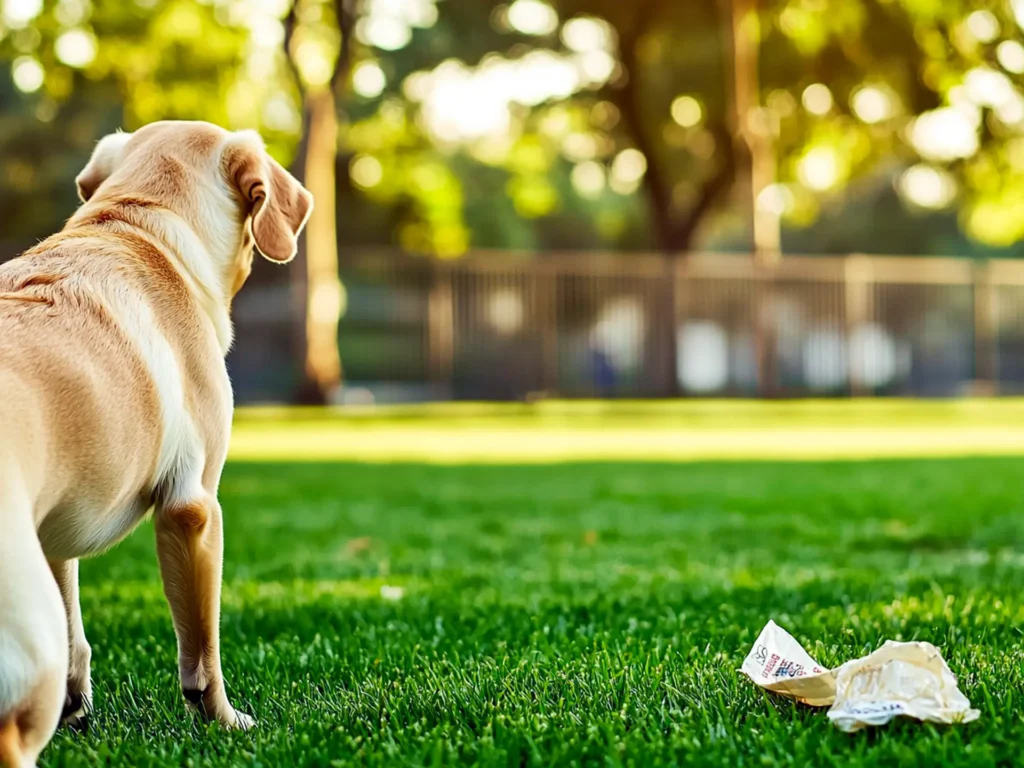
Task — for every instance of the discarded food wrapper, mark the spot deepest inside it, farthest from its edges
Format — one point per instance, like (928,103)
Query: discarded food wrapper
(908,679)
(779,664)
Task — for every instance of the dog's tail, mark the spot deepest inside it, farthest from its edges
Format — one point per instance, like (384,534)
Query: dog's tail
(11,754)
(33,635)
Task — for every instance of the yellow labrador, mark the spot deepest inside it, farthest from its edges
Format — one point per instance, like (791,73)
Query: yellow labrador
(116,401)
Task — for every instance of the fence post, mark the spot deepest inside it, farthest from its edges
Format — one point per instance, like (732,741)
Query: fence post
(546,282)
(857,278)
(986,335)
(441,326)
(671,267)
(766,353)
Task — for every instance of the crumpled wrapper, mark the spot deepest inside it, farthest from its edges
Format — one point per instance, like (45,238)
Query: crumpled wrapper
(899,679)
(778,663)
(908,679)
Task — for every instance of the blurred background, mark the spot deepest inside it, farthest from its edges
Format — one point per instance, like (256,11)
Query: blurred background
(577,198)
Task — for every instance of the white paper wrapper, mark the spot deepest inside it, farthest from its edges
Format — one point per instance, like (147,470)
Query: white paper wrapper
(899,679)
(779,664)
(909,679)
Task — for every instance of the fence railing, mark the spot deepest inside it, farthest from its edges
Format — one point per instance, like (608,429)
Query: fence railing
(498,325)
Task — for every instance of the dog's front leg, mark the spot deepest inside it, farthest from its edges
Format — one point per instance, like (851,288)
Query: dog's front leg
(78,700)
(190,546)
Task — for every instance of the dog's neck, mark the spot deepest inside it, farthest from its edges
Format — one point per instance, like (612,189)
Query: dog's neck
(205,272)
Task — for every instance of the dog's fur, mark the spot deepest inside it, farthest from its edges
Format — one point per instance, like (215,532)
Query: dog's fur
(116,400)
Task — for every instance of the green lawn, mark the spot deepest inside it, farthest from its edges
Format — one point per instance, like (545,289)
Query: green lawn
(567,613)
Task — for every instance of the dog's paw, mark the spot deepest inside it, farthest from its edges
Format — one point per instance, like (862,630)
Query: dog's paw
(217,708)
(243,722)
(75,714)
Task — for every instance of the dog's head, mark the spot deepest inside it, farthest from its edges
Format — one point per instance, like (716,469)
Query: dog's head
(224,185)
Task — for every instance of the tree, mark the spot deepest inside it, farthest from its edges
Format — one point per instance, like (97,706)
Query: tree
(659,64)
(318,43)
(847,89)
(534,125)
(929,90)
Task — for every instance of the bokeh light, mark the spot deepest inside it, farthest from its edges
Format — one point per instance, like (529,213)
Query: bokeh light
(586,33)
(776,199)
(945,134)
(872,104)
(983,25)
(462,103)
(28,74)
(384,32)
(819,168)
(686,111)
(315,61)
(817,99)
(927,186)
(18,13)
(76,48)
(70,13)
(596,66)
(1010,55)
(388,24)
(588,179)
(579,146)
(628,169)
(532,17)
(368,80)
(366,171)
(988,87)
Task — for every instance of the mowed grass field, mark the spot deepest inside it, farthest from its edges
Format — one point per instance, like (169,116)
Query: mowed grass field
(491,602)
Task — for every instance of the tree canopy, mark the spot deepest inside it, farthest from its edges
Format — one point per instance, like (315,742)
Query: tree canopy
(571,124)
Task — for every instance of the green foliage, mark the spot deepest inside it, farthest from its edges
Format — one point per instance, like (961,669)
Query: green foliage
(890,76)
(171,59)
(109,64)
(920,55)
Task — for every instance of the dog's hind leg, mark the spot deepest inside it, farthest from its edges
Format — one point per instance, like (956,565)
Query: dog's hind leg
(190,545)
(33,636)
(78,701)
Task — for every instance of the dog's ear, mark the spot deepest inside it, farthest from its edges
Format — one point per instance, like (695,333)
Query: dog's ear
(277,203)
(105,159)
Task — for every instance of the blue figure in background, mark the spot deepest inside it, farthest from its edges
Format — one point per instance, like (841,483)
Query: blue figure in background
(604,372)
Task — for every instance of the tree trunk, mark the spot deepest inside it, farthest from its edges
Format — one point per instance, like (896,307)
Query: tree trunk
(324,295)
(673,230)
(753,134)
(755,164)
(319,293)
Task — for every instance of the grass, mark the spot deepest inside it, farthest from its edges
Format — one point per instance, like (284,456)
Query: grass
(568,613)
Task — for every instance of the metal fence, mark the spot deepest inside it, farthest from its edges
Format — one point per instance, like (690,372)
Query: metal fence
(502,326)
(506,326)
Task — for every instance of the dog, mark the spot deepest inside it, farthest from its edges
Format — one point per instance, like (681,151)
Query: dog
(116,403)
